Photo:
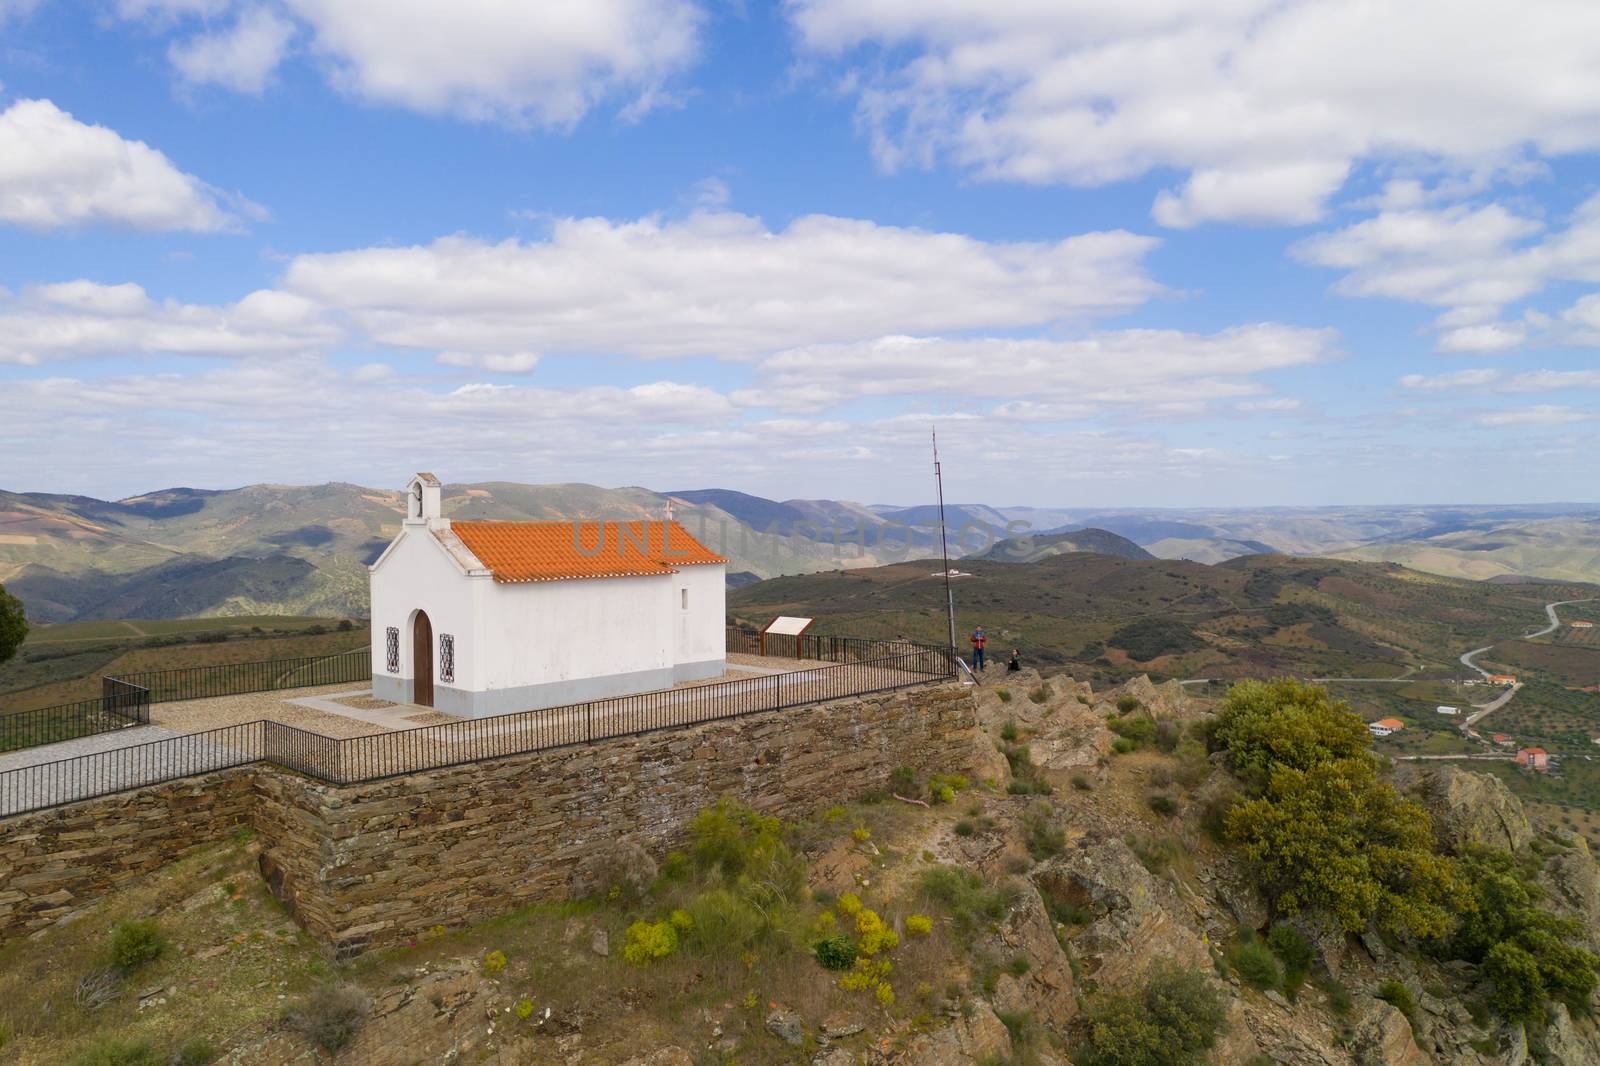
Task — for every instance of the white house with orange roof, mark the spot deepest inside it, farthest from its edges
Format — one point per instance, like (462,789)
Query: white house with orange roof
(483,618)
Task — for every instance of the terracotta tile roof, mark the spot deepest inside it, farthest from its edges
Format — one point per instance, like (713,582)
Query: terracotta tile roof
(1390,723)
(550,551)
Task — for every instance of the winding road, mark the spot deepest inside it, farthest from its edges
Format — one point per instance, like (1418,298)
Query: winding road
(1466,660)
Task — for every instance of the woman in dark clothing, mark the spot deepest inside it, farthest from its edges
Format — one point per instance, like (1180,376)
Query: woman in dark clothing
(1014,663)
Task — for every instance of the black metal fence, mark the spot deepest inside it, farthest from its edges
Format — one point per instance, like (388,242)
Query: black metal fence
(346,761)
(820,647)
(234,679)
(117,707)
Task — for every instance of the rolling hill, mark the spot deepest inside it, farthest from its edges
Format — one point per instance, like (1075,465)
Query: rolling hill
(1031,549)
(1254,616)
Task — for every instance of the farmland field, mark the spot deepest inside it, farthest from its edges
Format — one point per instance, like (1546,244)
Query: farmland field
(1577,665)
(63,663)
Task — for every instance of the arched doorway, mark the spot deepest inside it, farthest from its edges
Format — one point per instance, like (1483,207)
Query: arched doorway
(422,660)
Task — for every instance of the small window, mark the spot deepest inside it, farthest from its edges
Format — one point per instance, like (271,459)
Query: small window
(683,597)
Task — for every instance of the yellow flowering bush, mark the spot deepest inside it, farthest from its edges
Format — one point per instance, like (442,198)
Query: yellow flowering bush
(875,936)
(850,903)
(648,941)
(494,963)
(919,925)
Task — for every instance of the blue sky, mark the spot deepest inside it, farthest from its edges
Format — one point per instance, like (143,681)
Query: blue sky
(1163,254)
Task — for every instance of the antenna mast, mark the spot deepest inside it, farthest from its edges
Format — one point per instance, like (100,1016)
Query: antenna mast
(944,549)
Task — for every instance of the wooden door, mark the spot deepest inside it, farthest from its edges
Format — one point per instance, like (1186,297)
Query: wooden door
(422,661)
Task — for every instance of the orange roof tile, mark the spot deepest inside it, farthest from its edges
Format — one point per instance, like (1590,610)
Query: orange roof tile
(1390,723)
(559,551)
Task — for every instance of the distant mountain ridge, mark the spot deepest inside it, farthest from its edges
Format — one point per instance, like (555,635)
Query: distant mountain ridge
(1031,549)
(303,549)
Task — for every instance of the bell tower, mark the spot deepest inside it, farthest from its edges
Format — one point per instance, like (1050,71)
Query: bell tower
(424,505)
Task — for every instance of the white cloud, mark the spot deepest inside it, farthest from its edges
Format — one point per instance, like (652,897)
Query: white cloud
(56,171)
(241,58)
(1460,379)
(1488,378)
(83,318)
(1264,103)
(1473,260)
(717,283)
(1164,373)
(499,362)
(1542,415)
(523,64)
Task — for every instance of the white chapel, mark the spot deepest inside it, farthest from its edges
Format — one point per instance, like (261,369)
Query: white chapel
(483,618)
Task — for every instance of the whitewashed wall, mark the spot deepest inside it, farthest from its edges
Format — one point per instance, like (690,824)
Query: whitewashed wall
(700,633)
(417,573)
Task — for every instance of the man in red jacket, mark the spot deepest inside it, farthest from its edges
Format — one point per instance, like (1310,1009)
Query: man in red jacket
(978,640)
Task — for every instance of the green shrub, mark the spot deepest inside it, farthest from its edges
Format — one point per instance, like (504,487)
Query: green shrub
(195,1052)
(1005,697)
(1173,1020)
(1193,766)
(1264,724)
(1397,996)
(837,952)
(1081,783)
(117,1051)
(1168,733)
(903,781)
(1294,951)
(1040,694)
(1026,778)
(330,1017)
(1123,745)
(964,828)
(964,894)
(1128,704)
(1507,912)
(1339,1000)
(648,941)
(1043,836)
(135,943)
(1338,811)
(1139,729)
(1254,962)
(725,923)
(1163,805)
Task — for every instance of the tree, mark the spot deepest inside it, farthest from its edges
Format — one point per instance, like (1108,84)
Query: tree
(1264,724)
(1525,950)
(13,624)
(1333,838)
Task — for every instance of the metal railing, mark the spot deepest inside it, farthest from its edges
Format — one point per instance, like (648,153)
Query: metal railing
(234,679)
(821,647)
(117,707)
(352,760)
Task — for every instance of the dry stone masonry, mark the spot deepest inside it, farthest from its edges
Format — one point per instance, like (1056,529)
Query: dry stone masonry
(375,864)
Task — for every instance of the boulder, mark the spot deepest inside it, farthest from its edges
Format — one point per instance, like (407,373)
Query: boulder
(1383,1037)
(1468,809)
(984,1036)
(785,1025)
(1137,918)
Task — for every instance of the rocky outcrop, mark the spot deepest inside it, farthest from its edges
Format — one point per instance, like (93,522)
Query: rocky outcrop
(1045,990)
(1571,880)
(1469,809)
(977,1037)
(1383,1037)
(1569,1041)
(1136,919)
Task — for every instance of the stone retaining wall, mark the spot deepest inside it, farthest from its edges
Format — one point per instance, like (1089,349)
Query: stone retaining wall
(53,862)
(375,864)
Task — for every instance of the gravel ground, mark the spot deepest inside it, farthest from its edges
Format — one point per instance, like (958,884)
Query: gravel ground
(194,716)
